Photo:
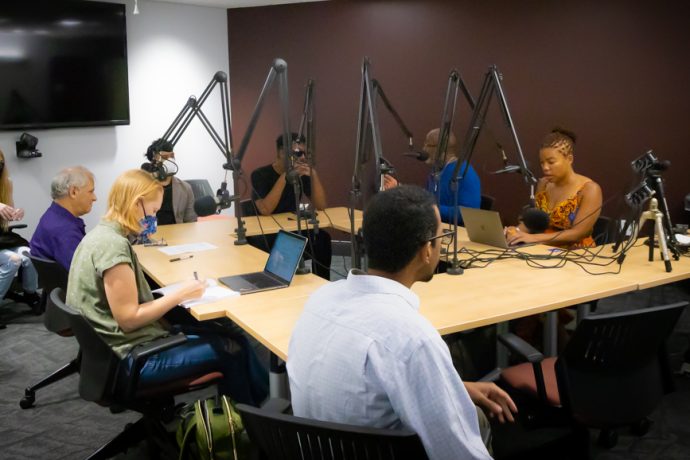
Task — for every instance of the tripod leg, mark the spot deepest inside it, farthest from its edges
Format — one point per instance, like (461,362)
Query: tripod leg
(650,242)
(662,242)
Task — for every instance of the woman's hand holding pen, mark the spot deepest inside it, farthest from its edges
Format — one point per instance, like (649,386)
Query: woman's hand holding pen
(191,289)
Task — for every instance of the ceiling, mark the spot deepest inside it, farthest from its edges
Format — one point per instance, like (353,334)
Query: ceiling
(235,3)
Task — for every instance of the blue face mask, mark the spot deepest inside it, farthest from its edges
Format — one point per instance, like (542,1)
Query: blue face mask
(149,226)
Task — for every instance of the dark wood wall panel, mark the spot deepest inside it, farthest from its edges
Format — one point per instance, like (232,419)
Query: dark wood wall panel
(614,72)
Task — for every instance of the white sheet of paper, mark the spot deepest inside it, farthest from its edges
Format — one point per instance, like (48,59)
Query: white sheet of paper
(182,248)
(212,293)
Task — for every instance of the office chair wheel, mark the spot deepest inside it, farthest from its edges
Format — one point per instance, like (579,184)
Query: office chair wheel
(607,438)
(642,427)
(28,400)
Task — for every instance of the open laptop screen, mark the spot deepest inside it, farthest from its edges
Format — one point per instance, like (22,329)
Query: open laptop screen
(285,255)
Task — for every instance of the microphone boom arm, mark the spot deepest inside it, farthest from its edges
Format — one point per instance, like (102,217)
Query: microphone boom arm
(490,86)
(192,108)
(278,70)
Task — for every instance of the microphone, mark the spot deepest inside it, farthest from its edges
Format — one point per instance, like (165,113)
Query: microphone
(536,220)
(418,154)
(207,205)
(508,169)
(157,170)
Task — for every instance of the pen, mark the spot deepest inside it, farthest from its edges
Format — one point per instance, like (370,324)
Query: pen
(175,259)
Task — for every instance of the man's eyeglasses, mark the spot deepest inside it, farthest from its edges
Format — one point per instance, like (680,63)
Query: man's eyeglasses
(299,153)
(449,234)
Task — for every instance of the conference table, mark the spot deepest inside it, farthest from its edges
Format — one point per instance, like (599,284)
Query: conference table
(500,291)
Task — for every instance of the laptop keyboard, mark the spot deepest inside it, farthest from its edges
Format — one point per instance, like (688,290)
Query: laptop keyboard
(260,280)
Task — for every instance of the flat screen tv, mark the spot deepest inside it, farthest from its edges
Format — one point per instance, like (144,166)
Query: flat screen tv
(62,63)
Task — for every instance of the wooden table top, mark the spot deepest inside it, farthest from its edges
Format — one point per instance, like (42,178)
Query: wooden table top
(501,291)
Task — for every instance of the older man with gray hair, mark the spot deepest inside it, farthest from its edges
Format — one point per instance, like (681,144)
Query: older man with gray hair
(61,228)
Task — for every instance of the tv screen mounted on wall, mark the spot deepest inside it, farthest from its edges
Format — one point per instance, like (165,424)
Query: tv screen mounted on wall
(62,63)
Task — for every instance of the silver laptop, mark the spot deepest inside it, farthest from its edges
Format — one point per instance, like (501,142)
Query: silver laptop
(279,270)
(484,227)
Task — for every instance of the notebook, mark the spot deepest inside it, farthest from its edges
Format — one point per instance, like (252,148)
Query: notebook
(279,270)
(484,227)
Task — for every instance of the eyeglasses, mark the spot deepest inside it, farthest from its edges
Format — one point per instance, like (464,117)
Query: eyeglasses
(450,234)
(299,153)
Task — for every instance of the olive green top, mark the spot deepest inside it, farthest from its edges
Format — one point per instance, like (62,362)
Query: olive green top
(102,248)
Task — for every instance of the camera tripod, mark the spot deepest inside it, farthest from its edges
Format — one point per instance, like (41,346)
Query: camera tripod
(654,214)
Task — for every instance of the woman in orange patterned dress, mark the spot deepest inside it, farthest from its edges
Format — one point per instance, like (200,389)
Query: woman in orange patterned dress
(572,201)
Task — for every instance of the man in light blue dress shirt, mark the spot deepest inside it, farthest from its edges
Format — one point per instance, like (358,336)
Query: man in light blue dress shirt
(362,354)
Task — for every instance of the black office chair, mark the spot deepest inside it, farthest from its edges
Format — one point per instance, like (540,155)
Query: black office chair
(200,188)
(50,276)
(612,373)
(102,379)
(487,202)
(603,231)
(287,437)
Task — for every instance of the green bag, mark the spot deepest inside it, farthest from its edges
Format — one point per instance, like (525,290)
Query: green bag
(212,430)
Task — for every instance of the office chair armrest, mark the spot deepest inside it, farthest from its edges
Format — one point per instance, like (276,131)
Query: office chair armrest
(277,406)
(492,376)
(141,353)
(517,345)
(13,227)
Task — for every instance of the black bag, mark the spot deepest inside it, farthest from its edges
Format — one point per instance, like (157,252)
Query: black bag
(10,240)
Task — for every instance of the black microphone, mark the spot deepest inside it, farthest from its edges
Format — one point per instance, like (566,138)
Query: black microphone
(536,220)
(660,165)
(207,205)
(420,155)
(157,170)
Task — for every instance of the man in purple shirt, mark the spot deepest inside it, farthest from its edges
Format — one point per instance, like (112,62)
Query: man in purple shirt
(61,228)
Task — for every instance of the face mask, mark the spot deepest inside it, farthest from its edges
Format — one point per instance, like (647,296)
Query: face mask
(149,226)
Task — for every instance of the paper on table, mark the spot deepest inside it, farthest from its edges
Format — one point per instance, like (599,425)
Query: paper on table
(212,293)
(182,248)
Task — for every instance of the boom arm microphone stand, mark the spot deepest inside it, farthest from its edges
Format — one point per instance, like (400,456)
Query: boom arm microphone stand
(455,83)
(491,86)
(191,109)
(368,135)
(278,69)
(308,131)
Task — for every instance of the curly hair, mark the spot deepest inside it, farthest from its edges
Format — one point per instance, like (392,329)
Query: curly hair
(560,139)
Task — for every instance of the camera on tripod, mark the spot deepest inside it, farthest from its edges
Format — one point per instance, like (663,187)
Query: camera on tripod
(649,164)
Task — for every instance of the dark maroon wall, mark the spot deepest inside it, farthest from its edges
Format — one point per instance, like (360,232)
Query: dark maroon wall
(614,72)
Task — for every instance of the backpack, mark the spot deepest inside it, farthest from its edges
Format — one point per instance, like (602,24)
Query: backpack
(212,430)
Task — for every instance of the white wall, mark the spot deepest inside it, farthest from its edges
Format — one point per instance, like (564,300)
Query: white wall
(173,52)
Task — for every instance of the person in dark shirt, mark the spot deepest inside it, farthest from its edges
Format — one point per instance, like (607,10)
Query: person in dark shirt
(272,194)
(178,197)
(61,228)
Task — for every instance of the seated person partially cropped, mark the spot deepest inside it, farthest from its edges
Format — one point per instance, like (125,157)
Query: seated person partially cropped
(272,194)
(107,284)
(468,189)
(362,354)
(178,196)
(61,227)
(13,247)
(572,201)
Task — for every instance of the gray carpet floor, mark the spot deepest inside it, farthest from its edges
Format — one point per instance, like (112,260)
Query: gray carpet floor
(62,426)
